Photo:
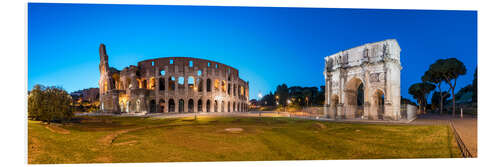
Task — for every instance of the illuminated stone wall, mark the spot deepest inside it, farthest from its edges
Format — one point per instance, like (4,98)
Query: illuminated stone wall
(172,84)
(371,71)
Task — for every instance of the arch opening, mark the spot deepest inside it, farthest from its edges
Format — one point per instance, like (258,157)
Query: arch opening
(171,105)
(355,98)
(200,106)
(181,105)
(378,101)
(208,106)
(190,105)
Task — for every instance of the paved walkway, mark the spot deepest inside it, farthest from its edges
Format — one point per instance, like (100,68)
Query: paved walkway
(466,127)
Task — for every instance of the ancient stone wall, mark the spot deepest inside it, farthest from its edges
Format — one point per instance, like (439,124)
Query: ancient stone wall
(172,84)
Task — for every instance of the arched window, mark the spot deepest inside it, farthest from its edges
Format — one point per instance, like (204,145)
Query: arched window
(190,105)
(224,86)
(216,84)
(222,106)
(199,73)
(199,84)
(216,109)
(180,83)
(191,83)
(190,63)
(162,83)
(144,83)
(208,105)
(171,105)
(209,85)
(152,83)
(162,72)
(200,106)
(171,83)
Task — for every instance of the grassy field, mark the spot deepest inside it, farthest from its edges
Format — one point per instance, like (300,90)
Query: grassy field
(133,139)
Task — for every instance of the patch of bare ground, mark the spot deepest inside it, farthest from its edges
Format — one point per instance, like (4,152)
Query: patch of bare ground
(108,139)
(57,129)
(125,143)
(234,130)
(33,149)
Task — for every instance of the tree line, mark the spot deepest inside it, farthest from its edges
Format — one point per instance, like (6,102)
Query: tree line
(441,72)
(295,95)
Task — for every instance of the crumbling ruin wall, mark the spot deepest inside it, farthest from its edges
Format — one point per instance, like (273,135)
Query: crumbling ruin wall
(172,84)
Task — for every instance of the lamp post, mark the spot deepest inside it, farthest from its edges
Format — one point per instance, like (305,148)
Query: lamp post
(277,103)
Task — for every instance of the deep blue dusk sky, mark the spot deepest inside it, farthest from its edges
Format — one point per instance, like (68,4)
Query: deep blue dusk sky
(269,46)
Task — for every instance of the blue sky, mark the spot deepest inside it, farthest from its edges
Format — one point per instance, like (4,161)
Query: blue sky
(269,46)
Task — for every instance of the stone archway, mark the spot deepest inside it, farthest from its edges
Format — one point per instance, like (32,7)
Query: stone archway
(378,104)
(200,106)
(171,105)
(190,105)
(334,101)
(152,106)
(162,105)
(366,81)
(354,93)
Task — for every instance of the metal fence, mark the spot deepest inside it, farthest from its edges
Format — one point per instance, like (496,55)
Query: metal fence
(463,148)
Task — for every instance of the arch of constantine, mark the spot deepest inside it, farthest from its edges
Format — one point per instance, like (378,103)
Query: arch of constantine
(364,82)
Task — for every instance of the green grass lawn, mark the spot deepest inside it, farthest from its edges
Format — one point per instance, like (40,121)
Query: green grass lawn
(133,139)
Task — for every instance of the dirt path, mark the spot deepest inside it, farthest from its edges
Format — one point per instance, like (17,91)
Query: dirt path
(57,129)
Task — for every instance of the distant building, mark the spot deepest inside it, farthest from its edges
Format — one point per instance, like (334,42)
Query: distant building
(90,94)
(171,84)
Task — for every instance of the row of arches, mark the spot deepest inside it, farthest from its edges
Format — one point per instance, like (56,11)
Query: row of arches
(198,84)
(196,106)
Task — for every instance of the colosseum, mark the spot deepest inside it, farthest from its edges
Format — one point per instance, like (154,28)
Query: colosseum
(171,84)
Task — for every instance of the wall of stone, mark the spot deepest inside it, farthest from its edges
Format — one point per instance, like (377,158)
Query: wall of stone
(173,84)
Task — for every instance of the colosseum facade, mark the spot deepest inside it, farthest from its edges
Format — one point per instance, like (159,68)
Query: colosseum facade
(171,84)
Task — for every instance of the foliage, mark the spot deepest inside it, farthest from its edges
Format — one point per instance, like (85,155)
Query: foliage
(298,96)
(420,91)
(449,69)
(436,99)
(282,94)
(49,104)
(407,101)
(465,94)
(268,100)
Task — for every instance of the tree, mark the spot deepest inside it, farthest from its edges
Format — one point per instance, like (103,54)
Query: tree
(268,99)
(420,91)
(49,104)
(35,102)
(434,75)
(450,69)
(282,94)
(437,99)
